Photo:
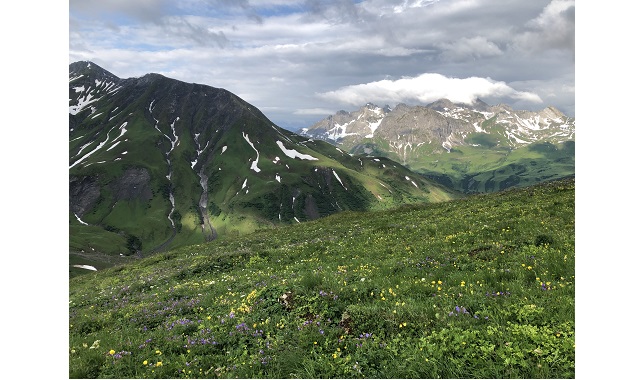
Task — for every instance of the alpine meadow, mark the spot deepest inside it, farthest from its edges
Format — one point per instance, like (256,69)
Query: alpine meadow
(481,287)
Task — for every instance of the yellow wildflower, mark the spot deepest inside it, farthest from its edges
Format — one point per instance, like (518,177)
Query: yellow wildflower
(111,352)
(145,362)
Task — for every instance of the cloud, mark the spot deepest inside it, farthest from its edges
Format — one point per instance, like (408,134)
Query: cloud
(469,48)
(189,31)
(554,28)
(426,88)
(292,58)
(313,111)
(143,10)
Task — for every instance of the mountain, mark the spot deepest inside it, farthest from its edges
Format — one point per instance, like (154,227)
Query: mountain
(472,148)
(156,163)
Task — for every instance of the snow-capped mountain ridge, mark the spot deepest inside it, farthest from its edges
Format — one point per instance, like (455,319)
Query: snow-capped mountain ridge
(444,124)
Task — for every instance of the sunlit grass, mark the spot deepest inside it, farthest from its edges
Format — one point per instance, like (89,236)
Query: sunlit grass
(474,288)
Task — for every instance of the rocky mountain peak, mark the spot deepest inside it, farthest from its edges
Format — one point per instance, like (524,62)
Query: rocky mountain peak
(87,68)
(442,105)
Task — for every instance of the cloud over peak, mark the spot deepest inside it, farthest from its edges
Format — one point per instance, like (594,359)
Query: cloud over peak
(427,88)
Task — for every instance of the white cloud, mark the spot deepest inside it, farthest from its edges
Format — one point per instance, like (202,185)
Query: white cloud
(554,28)
(313,111)
(427,88)
(278,54)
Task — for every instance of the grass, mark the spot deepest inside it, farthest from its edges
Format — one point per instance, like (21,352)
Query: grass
(481,287)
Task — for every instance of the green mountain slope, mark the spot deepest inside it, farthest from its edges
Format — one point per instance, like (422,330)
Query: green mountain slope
(481,287)
(155,163)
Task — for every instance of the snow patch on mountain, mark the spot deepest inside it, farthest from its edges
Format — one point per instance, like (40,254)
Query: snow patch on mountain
(80,220)
(82,102)
(292,153)
(339,131)
(338,178)
(373,127)
(82,266)
(253,166)
(94,150)
(411,180)
(113,146)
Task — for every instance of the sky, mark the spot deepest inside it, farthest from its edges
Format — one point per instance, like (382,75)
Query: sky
(299,61)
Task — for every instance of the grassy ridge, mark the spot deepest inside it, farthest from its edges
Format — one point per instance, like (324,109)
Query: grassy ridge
(482,287)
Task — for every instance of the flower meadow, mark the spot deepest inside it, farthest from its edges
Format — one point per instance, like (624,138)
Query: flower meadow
(481,287)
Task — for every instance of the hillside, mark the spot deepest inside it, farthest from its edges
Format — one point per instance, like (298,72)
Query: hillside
(156,163)
(481,287)
(472,148)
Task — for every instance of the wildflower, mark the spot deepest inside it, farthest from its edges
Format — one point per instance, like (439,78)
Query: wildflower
(145,362)
(462,283)
(111,352)
(159,364)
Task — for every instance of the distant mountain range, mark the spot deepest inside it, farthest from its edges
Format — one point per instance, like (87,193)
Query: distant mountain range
(156,163)
(471,148)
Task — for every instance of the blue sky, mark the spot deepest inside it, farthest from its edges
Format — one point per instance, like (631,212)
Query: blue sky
(301,60)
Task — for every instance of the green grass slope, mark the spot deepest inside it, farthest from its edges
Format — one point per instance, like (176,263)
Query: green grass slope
(477,170)
(481,287)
